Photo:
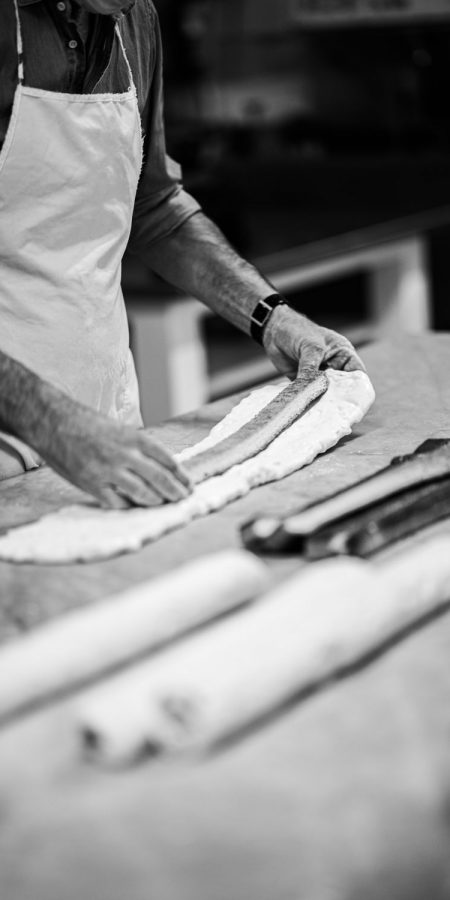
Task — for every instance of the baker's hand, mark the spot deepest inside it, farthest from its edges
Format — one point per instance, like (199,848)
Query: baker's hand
(118,465)
(294,343)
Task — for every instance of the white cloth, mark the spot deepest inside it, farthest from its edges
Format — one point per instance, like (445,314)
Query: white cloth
(69,170)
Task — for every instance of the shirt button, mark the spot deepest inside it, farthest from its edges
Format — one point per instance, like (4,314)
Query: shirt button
(61,6)
(73,44)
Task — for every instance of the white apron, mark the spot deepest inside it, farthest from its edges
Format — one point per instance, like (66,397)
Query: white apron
(69,170)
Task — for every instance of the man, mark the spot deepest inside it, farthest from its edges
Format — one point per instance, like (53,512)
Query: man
(78,83)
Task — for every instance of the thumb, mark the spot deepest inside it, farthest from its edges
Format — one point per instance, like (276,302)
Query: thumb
(311,357)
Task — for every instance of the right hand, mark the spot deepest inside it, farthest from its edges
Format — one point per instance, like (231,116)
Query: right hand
(117,464)
(295,345)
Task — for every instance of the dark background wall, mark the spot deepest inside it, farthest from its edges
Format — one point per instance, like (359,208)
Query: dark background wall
(291,134)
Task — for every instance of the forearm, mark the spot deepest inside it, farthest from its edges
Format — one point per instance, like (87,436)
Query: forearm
(29,406)
(197,259)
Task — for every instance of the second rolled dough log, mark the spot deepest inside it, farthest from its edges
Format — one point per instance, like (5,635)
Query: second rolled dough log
(320,621)
(81,533)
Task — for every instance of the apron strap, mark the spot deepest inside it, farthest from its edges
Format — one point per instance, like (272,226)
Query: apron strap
(130,73)
(19,43)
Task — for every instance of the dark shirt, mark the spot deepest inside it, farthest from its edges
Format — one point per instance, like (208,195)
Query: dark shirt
(71,51)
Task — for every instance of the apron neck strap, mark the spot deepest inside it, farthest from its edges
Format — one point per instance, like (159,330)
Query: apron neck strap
(19,44)
(130,74)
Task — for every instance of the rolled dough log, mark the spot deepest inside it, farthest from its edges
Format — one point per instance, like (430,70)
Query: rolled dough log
(80,533)
(85,643)
(320,621)
(255,435)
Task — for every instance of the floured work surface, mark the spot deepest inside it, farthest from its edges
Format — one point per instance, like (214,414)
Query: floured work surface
(335,799)
(413,403)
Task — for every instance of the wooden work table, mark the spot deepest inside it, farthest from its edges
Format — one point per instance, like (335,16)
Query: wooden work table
(343,796)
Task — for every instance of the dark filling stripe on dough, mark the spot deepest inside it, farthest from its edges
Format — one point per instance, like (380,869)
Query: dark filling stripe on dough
(259,432)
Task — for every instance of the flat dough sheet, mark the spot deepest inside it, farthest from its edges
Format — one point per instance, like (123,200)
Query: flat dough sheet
(83,533)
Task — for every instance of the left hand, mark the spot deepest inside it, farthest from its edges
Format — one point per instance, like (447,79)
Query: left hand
(294,343)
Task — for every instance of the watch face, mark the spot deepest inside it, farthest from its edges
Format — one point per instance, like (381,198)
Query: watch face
(261,314)
(264,308)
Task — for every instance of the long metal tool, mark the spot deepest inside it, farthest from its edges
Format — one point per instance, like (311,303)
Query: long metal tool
(262,429)
(394,502)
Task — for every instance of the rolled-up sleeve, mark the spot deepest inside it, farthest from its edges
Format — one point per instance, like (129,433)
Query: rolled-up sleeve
(162,204)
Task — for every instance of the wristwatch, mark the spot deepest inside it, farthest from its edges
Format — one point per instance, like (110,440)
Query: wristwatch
(262,313)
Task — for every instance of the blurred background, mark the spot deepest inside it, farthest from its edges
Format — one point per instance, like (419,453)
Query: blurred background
(316,133)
